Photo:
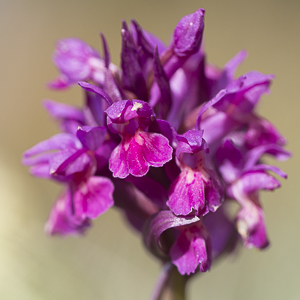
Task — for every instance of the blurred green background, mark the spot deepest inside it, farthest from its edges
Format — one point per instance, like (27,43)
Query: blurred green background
(110,262)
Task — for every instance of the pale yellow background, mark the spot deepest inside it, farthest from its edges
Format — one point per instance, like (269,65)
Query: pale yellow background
(110,262)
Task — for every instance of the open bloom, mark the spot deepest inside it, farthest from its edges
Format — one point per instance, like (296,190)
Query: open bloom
(138,149)
(168,138)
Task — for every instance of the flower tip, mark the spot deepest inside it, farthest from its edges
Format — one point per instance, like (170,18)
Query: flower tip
(57,84)
(204,267)
(82,84)
(124,25)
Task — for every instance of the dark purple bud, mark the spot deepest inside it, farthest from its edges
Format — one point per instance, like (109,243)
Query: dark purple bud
(163,85)
(133,77)
(142,42)
(188,33)
(105,51)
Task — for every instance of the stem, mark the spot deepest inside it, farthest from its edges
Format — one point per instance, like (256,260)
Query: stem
(170,284)
(162,280)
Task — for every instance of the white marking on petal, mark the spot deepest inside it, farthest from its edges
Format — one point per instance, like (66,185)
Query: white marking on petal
(242,228)
(136,106)
(96,63)
(190,177)
(139,139)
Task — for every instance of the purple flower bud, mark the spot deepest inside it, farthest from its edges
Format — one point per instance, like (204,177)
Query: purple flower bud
(133,79)
(188,33)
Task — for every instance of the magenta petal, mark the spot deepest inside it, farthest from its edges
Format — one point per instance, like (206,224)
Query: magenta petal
(187,193)
(94,197)
(251,226)
(262,132)
(63,160)
(274,169)
(213,192)
(62,220)
(41,170)
(255,181)
(191,142)
(191,249)
(135,154)
(253,156)
(72,58)
(156,148)
(60,83)
(116,111)
(137,164)
(37,159)
(118,163)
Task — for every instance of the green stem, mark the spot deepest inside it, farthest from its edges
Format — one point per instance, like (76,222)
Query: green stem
(177,285)
(171,285)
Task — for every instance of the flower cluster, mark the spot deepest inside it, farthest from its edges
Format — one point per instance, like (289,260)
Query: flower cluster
(167,138)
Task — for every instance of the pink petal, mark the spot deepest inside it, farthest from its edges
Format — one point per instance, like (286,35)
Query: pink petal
(187,193)
(135,154)
(94,197)
(191,249)
(118,160)
(156,148)
(62,220)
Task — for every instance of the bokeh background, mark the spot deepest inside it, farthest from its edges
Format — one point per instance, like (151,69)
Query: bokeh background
(110,262)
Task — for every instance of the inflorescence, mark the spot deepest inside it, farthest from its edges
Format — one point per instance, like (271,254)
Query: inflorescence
(168,138)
